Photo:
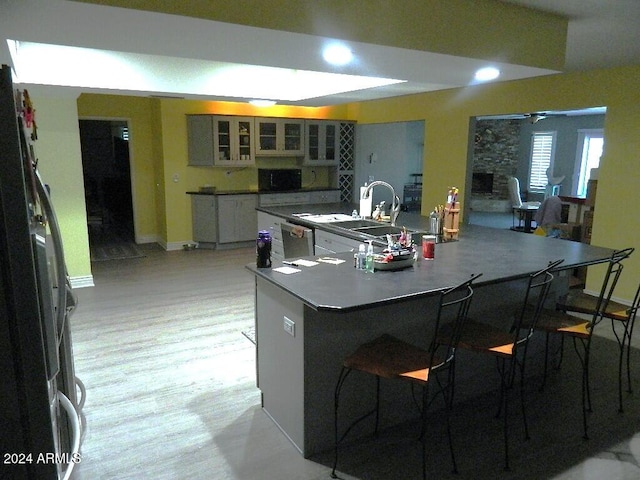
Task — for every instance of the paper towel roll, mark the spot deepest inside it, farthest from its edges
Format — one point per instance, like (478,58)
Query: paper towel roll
(365,203)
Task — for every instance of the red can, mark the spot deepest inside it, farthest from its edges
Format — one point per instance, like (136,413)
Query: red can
(429,247)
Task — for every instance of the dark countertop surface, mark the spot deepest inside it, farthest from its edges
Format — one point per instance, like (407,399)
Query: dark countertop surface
(500,255)
(411,220)
(256,192)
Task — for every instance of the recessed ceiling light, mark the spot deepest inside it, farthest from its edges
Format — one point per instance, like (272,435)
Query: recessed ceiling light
(337,54)
(262,103)
(487,73)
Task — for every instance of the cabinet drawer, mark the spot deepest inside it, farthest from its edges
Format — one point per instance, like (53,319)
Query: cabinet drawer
(334,243)
(325,196)
(276,248)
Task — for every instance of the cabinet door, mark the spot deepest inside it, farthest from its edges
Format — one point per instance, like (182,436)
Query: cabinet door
(203,215)
(245,153)
(246,218)
(222,140)
(322,142)
(279,136)
(200,140)
(237,219)
(232,138)
(331,142)
(293,137)
(267,137)
(226,218)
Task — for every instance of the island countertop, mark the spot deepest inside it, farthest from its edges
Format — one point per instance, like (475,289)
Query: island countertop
(308,321)
(500,255)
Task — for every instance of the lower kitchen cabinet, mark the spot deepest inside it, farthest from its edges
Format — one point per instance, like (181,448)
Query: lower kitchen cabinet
(326,243)
(237,218)
(273,225)
(203,217)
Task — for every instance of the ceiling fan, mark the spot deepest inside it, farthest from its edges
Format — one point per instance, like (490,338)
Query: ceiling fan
(535,117)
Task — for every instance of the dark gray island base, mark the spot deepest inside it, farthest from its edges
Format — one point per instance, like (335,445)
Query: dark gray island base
(331,309)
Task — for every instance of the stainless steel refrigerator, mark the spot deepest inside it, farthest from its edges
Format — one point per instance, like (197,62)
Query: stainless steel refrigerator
(40,415)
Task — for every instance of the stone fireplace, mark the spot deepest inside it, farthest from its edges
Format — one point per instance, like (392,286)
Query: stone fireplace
(495,159)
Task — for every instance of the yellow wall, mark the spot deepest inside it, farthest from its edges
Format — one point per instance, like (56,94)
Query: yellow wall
(159,138)
(447,115)
(60,165)
(139,113)
(158,132)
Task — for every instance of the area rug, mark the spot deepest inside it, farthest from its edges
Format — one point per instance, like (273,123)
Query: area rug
(115,251)
(250,333)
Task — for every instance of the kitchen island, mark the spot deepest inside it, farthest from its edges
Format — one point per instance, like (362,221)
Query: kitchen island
(309,320)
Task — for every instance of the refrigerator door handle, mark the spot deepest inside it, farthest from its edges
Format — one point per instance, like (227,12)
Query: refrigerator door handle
(75,426)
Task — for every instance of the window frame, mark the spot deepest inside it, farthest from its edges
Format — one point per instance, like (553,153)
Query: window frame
(583,133)
(546,134)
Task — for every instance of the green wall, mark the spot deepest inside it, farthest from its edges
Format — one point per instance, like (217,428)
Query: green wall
(60,164)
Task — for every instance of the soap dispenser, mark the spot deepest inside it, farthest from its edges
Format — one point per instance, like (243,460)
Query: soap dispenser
(369,263)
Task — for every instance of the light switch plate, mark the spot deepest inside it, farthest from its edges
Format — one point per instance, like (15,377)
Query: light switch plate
(289,326)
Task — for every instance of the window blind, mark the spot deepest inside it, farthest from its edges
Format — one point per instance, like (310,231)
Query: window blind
(542,146)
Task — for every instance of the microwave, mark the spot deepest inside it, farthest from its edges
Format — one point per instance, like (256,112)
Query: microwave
(279,179)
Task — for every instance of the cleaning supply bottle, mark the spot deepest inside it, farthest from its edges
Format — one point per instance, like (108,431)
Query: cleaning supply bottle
(361,257)
(369,263)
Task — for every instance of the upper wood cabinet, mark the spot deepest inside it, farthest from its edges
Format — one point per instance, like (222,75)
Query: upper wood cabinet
(220,140)
(322,141)
(279,137)
(232,141)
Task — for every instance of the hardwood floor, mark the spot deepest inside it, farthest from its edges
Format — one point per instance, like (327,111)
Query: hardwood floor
(171,389)
(171,393)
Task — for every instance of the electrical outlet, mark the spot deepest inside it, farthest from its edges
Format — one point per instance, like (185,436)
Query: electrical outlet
(289,326)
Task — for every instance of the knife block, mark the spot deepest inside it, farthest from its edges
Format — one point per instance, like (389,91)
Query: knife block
(451,221)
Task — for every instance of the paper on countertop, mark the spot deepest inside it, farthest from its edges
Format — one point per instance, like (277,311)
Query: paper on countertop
(305,263)
(331,260)
(287,270)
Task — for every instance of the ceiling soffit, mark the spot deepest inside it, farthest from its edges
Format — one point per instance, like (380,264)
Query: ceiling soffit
(482,29)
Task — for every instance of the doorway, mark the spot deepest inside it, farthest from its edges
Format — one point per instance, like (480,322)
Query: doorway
(107,182)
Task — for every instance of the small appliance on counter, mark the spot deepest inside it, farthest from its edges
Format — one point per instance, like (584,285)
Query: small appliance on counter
(279,179)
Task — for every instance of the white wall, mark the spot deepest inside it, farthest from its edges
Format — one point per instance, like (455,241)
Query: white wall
(390,152)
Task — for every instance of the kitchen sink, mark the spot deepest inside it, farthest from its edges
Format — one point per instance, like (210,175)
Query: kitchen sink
(351,224)
(323,218)
(379,230)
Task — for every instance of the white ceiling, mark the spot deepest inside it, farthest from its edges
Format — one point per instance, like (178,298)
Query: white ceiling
(167,54)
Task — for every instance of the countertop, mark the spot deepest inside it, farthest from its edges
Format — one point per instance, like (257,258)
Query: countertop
(500,255)
(411,220)
(257,192)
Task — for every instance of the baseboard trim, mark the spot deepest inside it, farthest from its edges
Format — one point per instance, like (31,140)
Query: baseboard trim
(140,239)
(82,282)
(172,246)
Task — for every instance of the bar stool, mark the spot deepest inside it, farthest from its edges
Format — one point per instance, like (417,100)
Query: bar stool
(619,314)
(580,330)
(509,347)
(392,358)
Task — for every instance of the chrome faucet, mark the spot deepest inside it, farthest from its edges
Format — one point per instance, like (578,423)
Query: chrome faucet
(395,202)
